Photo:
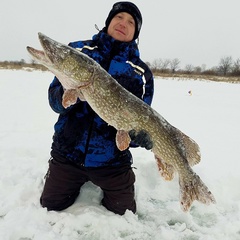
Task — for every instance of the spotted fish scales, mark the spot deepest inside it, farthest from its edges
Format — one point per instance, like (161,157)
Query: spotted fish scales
(83,78)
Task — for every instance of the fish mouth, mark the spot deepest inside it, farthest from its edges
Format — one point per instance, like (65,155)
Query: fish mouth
(48,54)
(38,55)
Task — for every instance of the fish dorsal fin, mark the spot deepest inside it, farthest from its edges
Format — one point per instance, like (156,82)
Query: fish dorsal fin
(192,150)
(187,147)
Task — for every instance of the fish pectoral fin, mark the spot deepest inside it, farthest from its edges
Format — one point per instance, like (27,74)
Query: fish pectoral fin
(122,140)
(81,96)
(166,170)
(69,97)
(192,188)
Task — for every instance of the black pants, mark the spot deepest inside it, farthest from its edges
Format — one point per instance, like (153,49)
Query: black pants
(64,180)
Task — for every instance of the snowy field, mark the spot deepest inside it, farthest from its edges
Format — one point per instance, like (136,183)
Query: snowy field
(211,116)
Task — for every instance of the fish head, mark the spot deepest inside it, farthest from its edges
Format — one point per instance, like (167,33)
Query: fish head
(73,68)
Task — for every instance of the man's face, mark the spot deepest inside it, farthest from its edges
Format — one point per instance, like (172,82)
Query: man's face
(122,27)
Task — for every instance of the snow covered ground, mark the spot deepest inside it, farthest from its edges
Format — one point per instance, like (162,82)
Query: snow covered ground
(211,116)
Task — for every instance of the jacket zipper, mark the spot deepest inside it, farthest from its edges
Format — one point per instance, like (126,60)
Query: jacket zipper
(88,137)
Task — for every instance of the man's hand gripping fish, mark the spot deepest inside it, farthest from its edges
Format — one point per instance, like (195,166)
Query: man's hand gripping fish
(82,77)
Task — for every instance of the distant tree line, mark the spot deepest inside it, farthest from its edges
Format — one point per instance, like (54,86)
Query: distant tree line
(22,64)
(226,67)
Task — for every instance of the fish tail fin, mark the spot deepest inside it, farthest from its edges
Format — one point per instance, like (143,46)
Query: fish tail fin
(193,188)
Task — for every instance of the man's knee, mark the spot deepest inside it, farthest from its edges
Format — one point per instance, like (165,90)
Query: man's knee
(120,201)
(56,204)
(62,185)
(118,189)
(119,207)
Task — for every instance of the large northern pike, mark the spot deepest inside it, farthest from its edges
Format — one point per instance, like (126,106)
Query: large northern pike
(82,77)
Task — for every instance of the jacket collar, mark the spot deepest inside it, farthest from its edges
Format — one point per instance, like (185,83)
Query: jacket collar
(109,45)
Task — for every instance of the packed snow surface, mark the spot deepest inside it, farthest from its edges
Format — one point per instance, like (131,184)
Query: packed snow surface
(210,115)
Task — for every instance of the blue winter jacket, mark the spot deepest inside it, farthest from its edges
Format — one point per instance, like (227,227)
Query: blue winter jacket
(80,134)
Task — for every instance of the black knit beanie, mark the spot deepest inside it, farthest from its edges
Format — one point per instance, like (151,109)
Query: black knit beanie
(130,8)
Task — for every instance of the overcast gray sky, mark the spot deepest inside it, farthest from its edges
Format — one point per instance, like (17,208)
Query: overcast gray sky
(197,32)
